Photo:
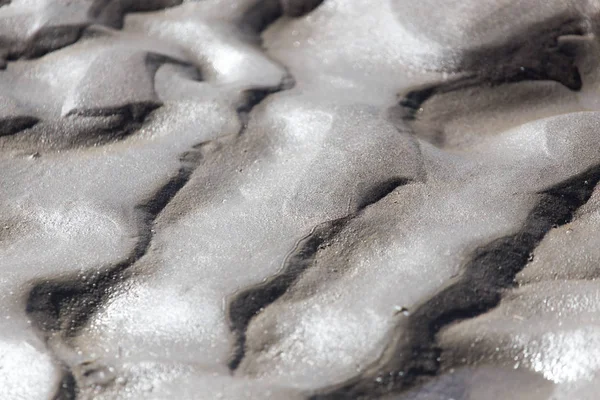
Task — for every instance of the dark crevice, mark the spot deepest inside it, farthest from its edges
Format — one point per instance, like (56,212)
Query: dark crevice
(95,126)
(412,353)
(259,16)
(67,388)
(112,12)
(65,305)
(411,103)
(80,128)
(51,38)
(264,12)
(129,114)
(546,58)
(10,126)
(250,99)
(248,303)
(298,8)
(379,191)
(536,54)
(85,126)
(44,41)
(253,22)
(253,97)
(245,304)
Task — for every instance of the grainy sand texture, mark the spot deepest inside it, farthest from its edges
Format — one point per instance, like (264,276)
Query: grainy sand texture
(299,199)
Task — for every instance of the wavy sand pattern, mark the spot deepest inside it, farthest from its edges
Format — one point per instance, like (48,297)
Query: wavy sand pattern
(299,199)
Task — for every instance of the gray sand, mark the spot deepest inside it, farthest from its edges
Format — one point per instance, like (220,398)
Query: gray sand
(299,199)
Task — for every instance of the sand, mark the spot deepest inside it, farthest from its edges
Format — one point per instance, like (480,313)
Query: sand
(280,199)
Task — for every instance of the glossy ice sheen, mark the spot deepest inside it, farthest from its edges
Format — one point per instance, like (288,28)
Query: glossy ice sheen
(264,199)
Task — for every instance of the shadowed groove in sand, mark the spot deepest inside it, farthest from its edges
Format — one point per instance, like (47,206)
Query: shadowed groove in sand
(544,59)
(54,37)
(253,97)
(48,300)
(63,306)
(412,353)
(67,389)
(264,12)
(249,302)
(10,126)
(82,126)
(411,356)
(111,12)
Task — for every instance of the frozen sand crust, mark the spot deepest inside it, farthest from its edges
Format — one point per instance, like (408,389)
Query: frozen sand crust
(277,158)
(541,326)
(225,265)
(516,172)
(31,28)
(77,204)
(379,249)
(287,127)
(548,328)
